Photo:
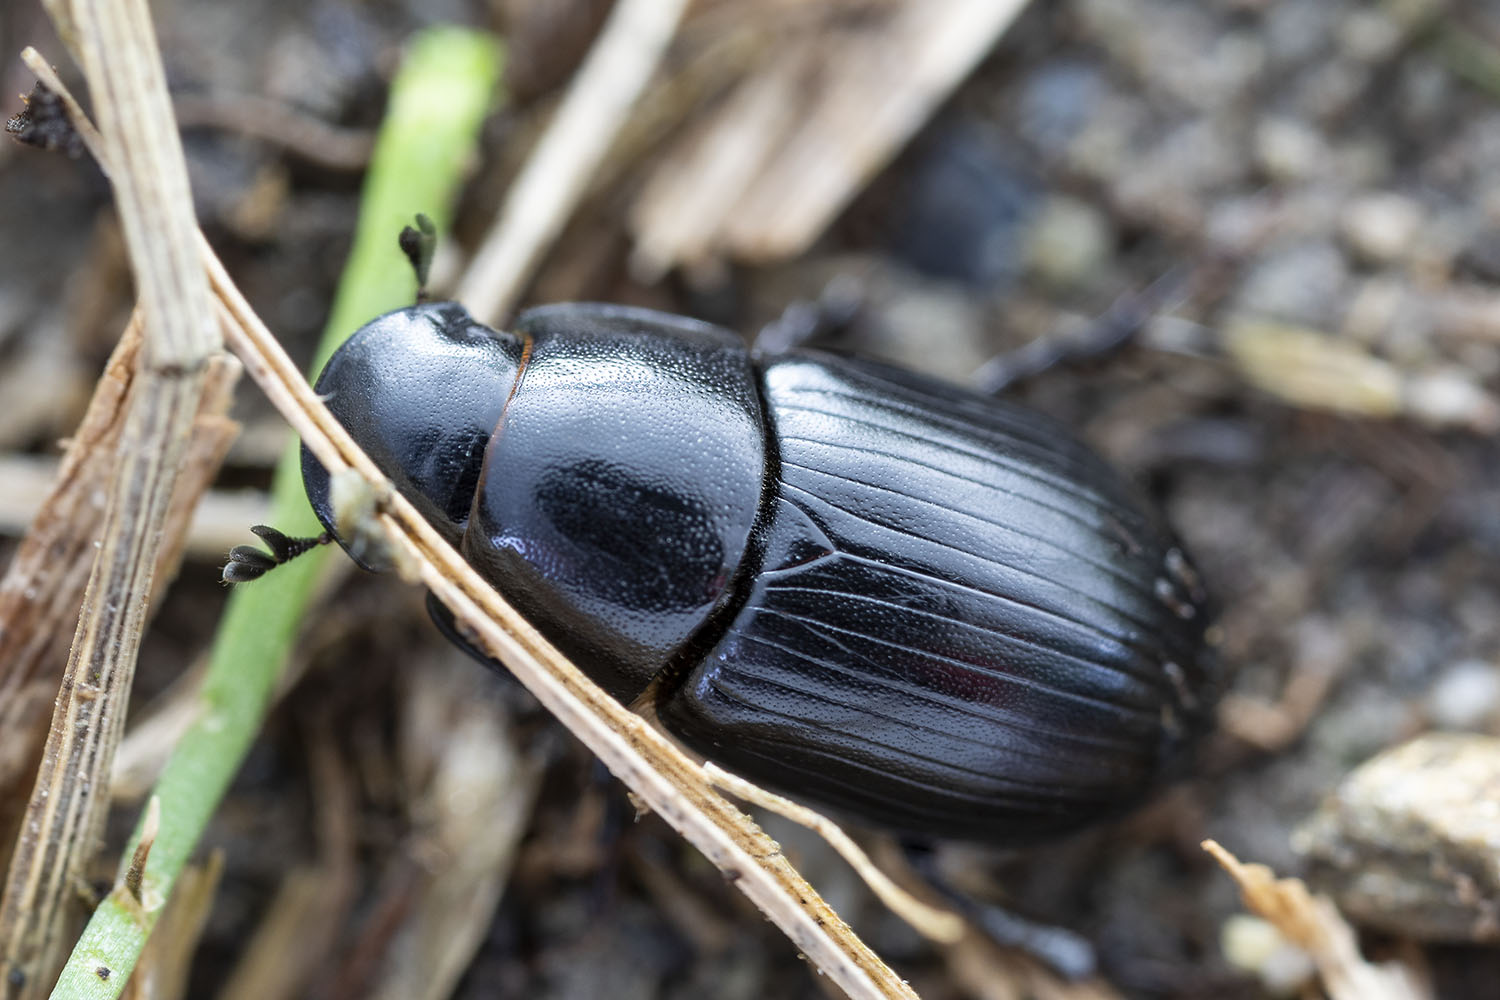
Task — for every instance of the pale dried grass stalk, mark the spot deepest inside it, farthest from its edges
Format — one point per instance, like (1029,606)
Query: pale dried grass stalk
(43,586)
(1314,924)
(932,922)
(288,952)
(116,48)
(757,184)
(559,169)
(475,790)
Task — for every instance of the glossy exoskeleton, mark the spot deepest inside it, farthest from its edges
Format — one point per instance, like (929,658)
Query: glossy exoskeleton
(880,593)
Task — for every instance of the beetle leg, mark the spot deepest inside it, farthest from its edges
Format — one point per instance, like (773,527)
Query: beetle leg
(1064,951)
(1109,332)
(802,322)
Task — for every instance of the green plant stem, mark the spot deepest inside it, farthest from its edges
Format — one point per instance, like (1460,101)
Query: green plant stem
(438,99)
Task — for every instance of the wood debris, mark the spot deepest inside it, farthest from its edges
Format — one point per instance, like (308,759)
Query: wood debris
(1313,923)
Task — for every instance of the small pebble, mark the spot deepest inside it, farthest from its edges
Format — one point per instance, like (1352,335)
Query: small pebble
(1370,35)
(1303,284)
(1380,228)
(966,208)
(1056,103)
(1409,843)
(930,327)
(1312,369)
(1449,397)
(1256,946)
(1288,150)
(1465,696)
(1069,242)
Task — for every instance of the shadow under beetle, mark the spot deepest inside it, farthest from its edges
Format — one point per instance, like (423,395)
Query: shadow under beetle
(880,593)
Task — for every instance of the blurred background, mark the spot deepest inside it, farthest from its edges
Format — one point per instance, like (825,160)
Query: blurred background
(1281,216)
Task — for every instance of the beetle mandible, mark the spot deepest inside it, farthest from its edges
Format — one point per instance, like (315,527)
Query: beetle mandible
(883,594)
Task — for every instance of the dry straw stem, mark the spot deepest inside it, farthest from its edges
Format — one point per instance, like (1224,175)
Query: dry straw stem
(1313,924)
(302,925)
(661,775)
(474,789)
(60,505)
(301,134)
(932,922)
(984,970)
(113,43)
(762,176)
(558,171)
(32,485)
(43,586)
(44,583)
(445,80)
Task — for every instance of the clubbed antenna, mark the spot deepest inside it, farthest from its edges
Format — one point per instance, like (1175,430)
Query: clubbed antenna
(419,244)
(246,562)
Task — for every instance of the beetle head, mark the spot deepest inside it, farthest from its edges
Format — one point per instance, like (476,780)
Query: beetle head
(420,390)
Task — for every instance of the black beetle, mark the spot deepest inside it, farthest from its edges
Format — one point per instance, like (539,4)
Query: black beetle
(878,592)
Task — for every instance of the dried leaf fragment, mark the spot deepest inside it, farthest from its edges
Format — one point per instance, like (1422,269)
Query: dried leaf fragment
(1313,923)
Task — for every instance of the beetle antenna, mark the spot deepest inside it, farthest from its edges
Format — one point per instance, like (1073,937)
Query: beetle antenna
(44,123)
(419,244)
(246,562)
